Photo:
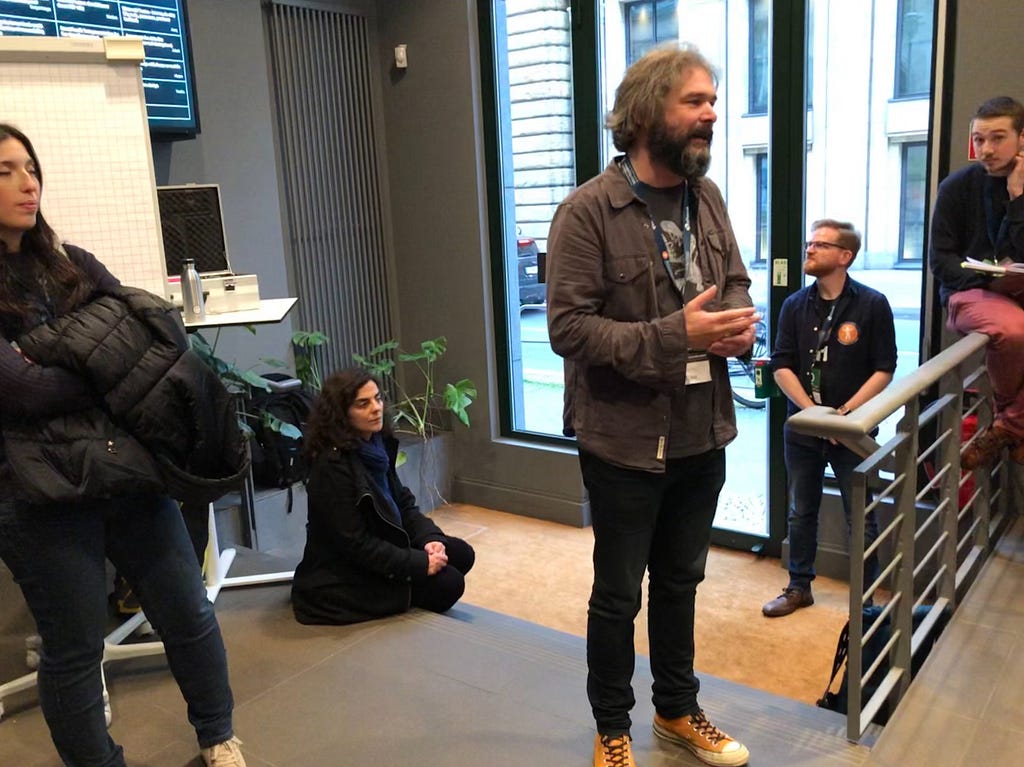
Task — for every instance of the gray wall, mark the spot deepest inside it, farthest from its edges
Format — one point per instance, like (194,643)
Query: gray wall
(438,206)
(987,63)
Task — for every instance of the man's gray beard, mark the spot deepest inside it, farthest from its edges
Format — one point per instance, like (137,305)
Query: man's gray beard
(694,164)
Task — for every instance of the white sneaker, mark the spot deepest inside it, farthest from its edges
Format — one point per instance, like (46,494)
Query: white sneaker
(226,754)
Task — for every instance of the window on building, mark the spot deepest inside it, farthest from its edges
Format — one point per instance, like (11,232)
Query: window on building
(914,48)
(912,202)
(758,62)
(649,23)
(761,241)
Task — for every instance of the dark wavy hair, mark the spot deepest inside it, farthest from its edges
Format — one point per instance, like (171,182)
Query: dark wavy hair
(68,285)
(328,425)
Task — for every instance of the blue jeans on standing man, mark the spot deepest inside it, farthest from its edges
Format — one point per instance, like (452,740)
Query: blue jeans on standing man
(57,554)
(806,459)
(661,523)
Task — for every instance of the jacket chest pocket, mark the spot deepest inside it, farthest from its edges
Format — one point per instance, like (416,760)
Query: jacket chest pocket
(630,287)
(711,257)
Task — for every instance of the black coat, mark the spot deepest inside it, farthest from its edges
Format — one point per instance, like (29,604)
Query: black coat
(359,563)
(164,420)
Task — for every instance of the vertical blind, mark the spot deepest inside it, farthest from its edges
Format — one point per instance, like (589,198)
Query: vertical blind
(334,209)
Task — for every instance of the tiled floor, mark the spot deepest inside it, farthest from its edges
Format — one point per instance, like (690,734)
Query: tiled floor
(478,688)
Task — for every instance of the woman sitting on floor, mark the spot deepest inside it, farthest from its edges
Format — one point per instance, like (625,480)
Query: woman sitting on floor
(369,551)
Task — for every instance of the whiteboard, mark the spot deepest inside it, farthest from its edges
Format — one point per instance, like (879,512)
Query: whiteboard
(81,103)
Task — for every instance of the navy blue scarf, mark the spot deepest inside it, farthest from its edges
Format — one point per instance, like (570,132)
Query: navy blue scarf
(375,458)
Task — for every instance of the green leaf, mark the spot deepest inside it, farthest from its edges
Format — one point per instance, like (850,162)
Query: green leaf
(283,428)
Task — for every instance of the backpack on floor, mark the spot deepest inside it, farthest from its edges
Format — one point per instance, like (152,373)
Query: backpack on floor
(838,701)
(277,459)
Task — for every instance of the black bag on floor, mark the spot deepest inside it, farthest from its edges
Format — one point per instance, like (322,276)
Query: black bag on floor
(277,459)
(838,701)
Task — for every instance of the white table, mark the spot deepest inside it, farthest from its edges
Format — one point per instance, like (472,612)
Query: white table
(218,562)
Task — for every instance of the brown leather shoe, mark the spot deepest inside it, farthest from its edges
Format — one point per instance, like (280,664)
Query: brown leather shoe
(789,601)
(613,751)
(986,447)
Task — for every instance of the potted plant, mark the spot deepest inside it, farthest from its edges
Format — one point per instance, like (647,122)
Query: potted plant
(243,381)
(420,406)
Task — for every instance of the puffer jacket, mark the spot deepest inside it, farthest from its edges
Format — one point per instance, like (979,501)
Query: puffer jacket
(166,421)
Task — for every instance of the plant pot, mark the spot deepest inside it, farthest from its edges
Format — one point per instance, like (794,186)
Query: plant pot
(427,469)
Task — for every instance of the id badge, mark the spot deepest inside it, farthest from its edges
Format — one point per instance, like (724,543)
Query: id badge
(816,384)
(698,371)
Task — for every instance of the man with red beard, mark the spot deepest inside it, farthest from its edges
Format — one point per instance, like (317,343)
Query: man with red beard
(647,297)
(979,214)
(835,346)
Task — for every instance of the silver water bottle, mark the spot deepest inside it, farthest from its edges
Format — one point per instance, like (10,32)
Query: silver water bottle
(192,292)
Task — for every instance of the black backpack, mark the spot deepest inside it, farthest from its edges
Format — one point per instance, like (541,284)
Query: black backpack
(277,459)
(838,701)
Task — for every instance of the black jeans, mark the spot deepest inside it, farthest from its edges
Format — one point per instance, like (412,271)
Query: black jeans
(439,592)
(661,522)
(806,458)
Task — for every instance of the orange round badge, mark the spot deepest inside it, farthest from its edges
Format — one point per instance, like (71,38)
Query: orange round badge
(848,333)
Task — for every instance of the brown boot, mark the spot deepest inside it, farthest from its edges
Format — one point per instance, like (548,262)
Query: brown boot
(613,751)
(986,447)
(789,601)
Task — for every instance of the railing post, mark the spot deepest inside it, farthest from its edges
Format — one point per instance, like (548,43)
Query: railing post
(903,578)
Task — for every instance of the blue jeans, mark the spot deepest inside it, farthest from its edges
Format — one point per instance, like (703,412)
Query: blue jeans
(57,555)
(806,458)
(661,523)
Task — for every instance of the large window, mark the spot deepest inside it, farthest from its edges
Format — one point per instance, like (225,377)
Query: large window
(649,23)
(554,78)
(913,48)
(761,241)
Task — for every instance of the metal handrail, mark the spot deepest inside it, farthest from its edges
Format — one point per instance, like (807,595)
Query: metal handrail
(941,530)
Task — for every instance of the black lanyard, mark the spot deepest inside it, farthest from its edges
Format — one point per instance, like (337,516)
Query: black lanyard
(631,178)
(826,327)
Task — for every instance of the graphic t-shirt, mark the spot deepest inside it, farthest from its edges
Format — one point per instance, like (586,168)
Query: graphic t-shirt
(666,206)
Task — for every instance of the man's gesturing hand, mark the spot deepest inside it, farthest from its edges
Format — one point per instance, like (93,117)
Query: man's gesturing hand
(703,328)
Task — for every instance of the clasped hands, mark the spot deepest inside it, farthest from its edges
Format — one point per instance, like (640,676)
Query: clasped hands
(728,333)
(436,557)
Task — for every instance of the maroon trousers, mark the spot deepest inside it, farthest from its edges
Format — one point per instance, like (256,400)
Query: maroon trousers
(1001,317)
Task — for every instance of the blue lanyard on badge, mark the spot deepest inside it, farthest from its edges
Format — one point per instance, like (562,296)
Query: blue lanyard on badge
(631,178)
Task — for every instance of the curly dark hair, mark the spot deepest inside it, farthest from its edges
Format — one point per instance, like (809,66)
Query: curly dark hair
(67,283)
(328,425)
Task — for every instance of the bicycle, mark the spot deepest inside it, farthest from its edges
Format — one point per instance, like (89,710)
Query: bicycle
(744,366)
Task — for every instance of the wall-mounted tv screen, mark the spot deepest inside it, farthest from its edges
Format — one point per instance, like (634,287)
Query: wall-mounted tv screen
(163,26)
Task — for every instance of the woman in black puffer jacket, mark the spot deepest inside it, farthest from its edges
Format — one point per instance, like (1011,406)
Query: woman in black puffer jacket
(91,489)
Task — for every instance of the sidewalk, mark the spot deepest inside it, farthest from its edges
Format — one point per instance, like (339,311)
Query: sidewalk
(901,286)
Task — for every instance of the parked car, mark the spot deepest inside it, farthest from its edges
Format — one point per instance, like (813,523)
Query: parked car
(531,290)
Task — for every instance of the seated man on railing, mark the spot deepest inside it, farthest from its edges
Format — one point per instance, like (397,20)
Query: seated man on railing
(979,214)
(835,346)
